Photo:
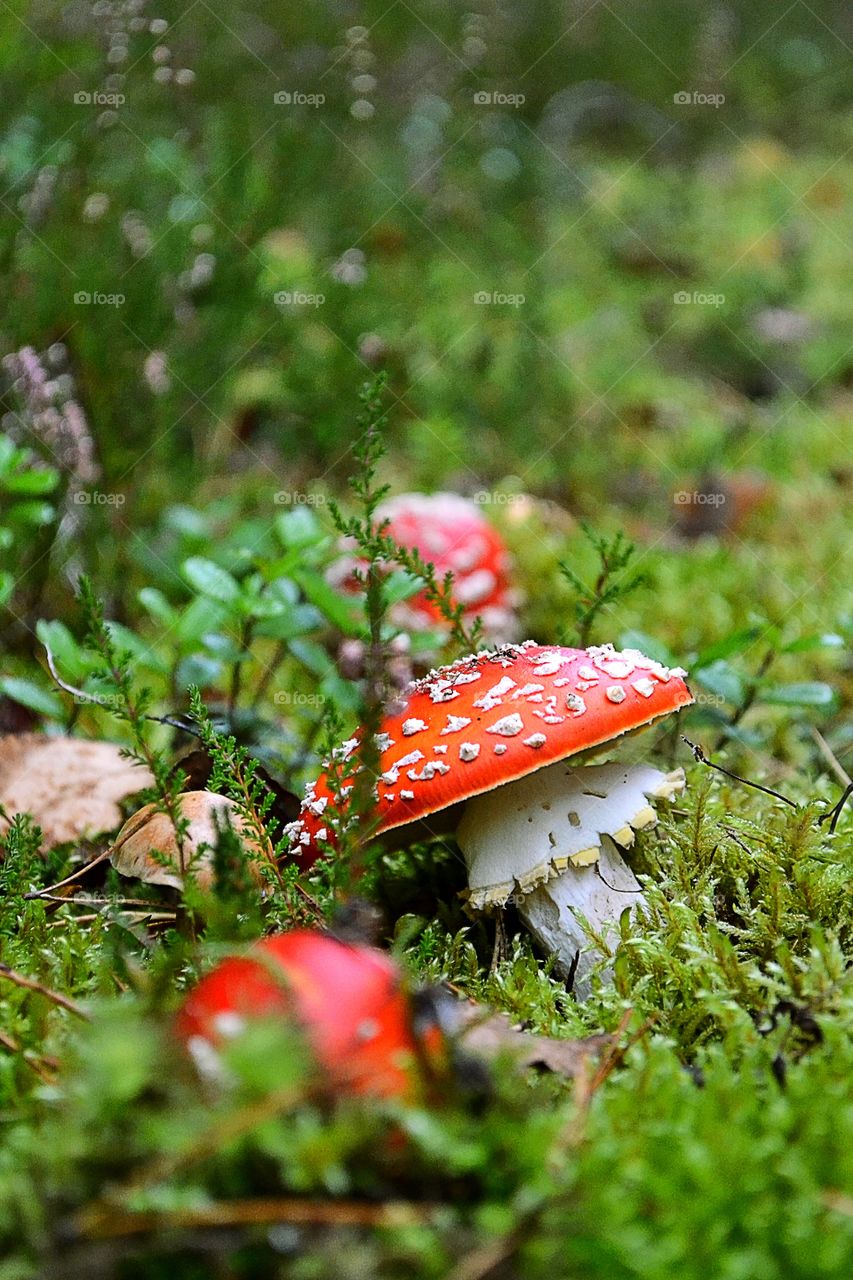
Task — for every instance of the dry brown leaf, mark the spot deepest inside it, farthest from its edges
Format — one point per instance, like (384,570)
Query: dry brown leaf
(486,1033)
(492,1033)
(150,833)
(72,787)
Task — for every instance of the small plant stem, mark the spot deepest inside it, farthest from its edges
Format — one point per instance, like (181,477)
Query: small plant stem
(30,984)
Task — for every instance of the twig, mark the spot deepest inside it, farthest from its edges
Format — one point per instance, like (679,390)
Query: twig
(836,812)
(479,1262)
(103,1222)
(45,896)
(831,759)
(44,1067)
(103,700)
(733,835)
(72,879)
(130,917)
(699,755)
(30,984)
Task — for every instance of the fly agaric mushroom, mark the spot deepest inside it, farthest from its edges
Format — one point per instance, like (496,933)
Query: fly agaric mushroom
(347,999)
(501,731)
(450,532)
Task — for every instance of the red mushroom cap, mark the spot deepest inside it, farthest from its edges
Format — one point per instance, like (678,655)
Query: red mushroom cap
(491,718)
(347,999)
(451,533)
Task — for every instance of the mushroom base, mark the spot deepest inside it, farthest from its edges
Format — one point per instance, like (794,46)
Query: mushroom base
(600,893)
(550,841)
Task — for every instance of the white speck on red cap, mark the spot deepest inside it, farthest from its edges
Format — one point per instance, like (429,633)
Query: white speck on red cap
(468,751)
(455,723)
(494,696)
(527,690)
(507,726)
(428,771)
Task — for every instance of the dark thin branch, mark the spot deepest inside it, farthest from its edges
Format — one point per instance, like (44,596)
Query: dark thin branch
(699,755)
(836,812)
(103,700)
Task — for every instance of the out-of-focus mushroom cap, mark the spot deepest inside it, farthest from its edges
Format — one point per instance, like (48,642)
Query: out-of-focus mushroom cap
(147,845)
(346,998)
(452,533)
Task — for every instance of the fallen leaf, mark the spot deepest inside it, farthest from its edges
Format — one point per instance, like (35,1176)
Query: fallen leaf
(72,787)
(492,1033)
(485,1033)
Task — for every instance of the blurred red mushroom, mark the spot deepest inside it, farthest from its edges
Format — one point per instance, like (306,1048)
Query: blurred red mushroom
(451,533)
(346,998)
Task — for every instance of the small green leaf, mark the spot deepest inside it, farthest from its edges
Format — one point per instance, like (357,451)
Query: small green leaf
(157,605)
(222,647)
(828,640)
(32,483)
(33,696)
(201,615)
(294,622)
(199,669)
(299,528)
(71,661)
(400,585)
(721,679)
(342,611)
(34,513)
(734,643)
(313,656)
(211,579)
(799,693)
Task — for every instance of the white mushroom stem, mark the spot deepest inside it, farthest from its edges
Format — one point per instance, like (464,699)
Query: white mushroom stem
(549,841)
(598,893)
